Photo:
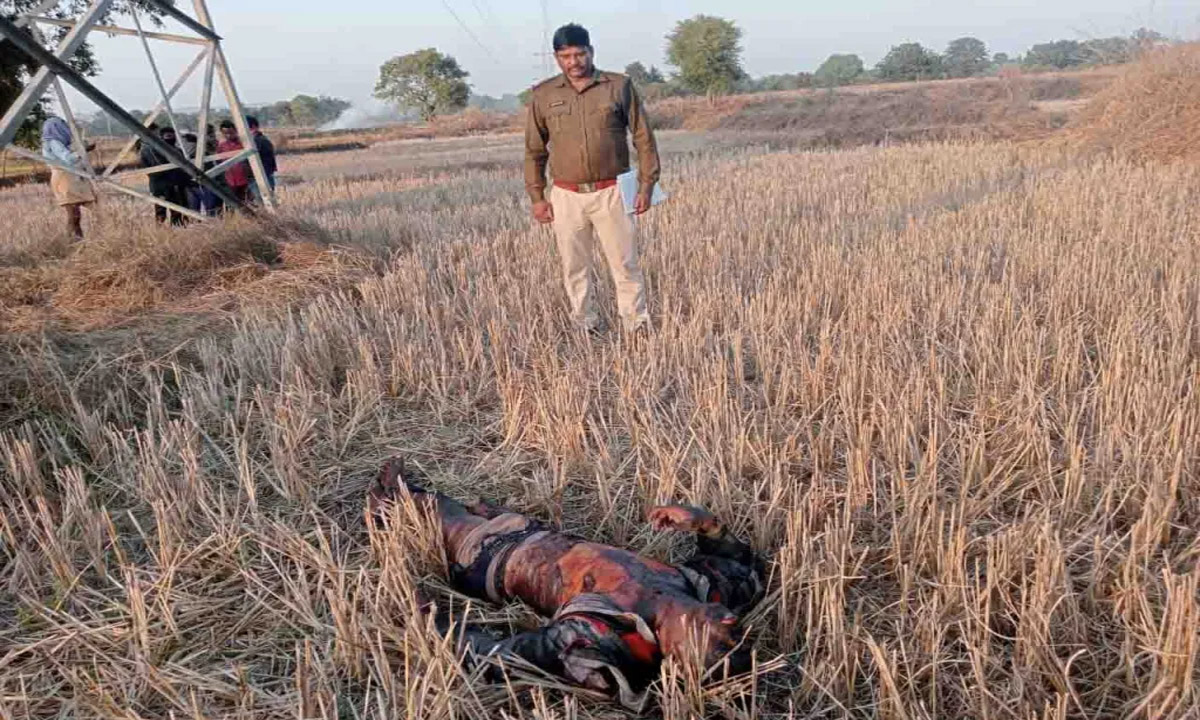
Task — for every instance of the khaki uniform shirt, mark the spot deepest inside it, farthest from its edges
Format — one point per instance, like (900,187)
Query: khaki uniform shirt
(585,131)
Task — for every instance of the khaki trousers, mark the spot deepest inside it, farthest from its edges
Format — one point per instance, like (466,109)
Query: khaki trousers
(70,189)
(581,218)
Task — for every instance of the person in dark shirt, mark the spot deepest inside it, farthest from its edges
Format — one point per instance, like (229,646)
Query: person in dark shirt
(615,614)
(192,190)
(169,184)
(210,202)
(266,152)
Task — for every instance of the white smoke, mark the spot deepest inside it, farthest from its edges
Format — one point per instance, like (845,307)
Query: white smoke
(371,114)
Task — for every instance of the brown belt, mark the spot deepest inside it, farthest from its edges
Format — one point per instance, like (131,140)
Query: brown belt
(586,187)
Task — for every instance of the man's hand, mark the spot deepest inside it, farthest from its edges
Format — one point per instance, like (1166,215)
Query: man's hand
(642,202)
(543,212)
(684,518)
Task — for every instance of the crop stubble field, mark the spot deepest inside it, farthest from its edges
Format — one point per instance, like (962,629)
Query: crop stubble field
(950,388)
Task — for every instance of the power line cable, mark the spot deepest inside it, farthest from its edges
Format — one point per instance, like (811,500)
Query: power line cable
(486,17)
(473,36)
(489,20)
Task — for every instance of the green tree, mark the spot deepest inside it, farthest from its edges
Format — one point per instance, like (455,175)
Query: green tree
(909,61)
(425,81)
(1108,51)
(304,110)
(966,57)
(642,77)
(508,102)
(1060,55)
(838,70)
(707,51)
(16,67)
(779,82)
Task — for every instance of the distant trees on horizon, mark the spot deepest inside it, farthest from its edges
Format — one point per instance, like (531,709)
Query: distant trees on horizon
(300,111)
(704,53)
(964,57)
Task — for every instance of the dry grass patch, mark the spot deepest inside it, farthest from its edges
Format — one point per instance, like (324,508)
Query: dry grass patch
(951,390)
(125,270)
(1152,112)
(987,108)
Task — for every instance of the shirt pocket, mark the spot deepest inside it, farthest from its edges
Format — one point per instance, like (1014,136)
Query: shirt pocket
(557,116)
(607,115)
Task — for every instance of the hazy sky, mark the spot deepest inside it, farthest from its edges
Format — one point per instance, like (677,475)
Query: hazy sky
(278,48)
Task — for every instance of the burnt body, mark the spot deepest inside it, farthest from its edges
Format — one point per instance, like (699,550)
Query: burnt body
(614,614)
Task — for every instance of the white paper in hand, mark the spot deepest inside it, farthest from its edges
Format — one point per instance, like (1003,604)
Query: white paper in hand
(629,185)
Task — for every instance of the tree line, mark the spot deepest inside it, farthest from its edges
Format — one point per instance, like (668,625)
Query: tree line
(704,53)
(969,57)
(300,111)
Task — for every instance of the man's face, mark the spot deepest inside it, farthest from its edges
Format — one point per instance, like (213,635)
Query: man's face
(575,62)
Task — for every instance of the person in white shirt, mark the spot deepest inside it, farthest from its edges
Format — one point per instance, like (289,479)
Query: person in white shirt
(71,192)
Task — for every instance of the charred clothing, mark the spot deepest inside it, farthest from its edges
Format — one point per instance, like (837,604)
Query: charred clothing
(614,614)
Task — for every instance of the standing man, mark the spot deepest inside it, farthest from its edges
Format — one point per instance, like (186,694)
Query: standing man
(582,116)
(170,184)
(192,188)
(237,177)
(266,151)
(209,200)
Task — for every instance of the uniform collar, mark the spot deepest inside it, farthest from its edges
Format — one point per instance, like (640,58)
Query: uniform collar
(598,76)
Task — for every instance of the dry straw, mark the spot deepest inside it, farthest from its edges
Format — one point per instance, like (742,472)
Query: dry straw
(1151,112)
(950,389)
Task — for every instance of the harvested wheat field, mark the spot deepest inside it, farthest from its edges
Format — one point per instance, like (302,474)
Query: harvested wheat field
(951,389)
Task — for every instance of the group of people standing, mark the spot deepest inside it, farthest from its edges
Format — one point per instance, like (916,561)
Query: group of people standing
(577,126)
(176,186)
(73,192)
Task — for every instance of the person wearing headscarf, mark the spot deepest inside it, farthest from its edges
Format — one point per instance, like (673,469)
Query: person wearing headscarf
(71,191)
